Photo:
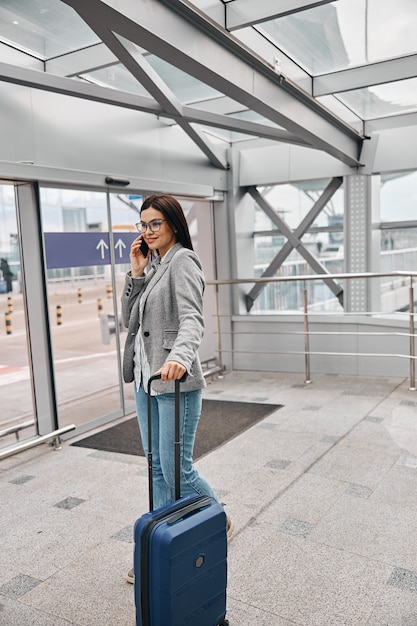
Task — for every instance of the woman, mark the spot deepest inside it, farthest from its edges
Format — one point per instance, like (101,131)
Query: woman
(162,307)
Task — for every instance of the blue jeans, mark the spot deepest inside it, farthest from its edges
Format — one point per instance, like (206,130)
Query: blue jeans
(163,434)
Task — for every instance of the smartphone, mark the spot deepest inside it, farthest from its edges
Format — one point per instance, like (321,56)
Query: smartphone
(144,248)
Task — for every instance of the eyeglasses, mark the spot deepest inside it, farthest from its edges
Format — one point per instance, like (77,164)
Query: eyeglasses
(153,226)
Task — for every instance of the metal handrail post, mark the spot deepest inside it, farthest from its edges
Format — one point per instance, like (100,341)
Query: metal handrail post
(412,342)
(219,339)
(306,336)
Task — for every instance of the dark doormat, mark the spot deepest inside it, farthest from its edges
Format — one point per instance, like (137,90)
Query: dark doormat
(220,421)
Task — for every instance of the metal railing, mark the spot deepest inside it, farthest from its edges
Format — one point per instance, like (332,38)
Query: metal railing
(54,436)
(307,314)
(15,430)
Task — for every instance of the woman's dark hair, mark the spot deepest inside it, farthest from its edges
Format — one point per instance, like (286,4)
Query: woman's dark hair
(173,213)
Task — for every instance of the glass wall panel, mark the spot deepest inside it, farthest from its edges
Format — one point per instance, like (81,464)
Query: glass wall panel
(199,216)
(87,237)
(124,214)
(186,88)
(398,196)
(17,415)
(382,100)
(398,232)
(323,240)
(82,304)
(337,35)
(44,29)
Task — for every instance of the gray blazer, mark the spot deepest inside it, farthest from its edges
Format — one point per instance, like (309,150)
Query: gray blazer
(172,323)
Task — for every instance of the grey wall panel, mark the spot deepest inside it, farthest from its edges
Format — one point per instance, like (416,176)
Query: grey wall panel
(396,150)
(276,343)
(72,134)
(285,163)
(16,127)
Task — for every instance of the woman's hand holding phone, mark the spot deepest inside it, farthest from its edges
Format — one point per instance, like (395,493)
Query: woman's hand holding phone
(139,255)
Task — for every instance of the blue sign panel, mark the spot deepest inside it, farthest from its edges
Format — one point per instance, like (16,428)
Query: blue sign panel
(86,249)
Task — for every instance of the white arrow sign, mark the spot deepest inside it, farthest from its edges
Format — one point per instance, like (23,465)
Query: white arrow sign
(102,245)
(120,245)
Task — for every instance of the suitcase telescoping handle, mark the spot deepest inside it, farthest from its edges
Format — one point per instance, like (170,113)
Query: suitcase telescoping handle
(177,442)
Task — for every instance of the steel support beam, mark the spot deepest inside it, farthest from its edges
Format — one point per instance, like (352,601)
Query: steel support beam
(184,37)
(81,179)
(390,122)
(87,91)
(238,125)
(366,76)
(77,89)
(247,12)
(294,240)
(138,66)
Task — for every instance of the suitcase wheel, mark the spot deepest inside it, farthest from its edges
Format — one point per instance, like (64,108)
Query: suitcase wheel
(224,622)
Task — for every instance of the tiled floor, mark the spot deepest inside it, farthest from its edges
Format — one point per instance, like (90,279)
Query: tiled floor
(323,493)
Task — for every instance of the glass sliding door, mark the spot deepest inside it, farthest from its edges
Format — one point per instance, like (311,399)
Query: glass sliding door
(17,415)
(83,306)
(64,256)
(124,215)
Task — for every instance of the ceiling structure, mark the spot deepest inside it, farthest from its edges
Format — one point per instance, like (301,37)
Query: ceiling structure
(314,73)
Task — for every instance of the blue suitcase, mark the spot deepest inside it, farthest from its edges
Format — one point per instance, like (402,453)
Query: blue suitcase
(180,554)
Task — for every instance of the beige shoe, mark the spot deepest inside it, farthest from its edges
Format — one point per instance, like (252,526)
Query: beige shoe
(230,527)
(130,576)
